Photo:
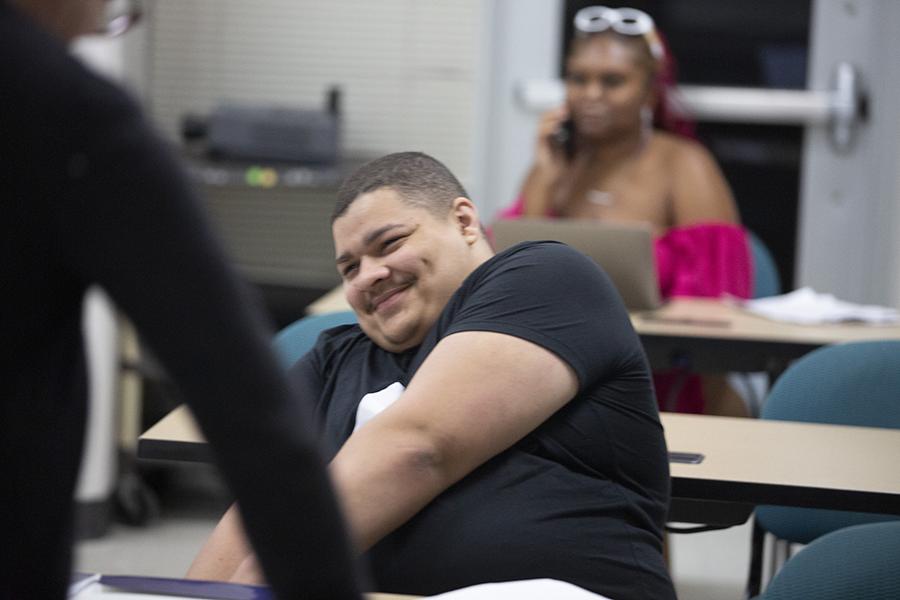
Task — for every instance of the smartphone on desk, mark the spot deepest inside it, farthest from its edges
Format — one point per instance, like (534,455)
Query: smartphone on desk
(689,458)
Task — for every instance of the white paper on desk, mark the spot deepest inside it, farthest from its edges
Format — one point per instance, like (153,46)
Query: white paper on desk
(78,582)
(528,589)
(808,307)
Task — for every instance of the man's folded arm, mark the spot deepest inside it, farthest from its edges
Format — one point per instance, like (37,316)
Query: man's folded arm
(475,395)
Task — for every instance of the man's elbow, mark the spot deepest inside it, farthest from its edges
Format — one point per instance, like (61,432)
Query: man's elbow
(428,455)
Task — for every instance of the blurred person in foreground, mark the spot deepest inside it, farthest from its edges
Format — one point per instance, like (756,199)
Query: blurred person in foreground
(92,196)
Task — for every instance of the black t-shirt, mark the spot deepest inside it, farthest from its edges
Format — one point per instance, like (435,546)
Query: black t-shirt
(582,498)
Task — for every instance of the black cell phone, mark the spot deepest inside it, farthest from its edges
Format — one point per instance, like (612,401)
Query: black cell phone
(691,458)
(564,137)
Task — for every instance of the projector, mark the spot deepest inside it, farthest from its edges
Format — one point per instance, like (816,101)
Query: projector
(256,132)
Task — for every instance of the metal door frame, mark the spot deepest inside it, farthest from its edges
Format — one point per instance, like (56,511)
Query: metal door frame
(849,223)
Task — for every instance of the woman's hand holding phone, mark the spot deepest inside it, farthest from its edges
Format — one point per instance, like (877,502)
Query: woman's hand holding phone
(552,163)
(554,138)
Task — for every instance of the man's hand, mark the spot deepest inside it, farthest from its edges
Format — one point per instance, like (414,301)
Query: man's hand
(249,572)
(224,552)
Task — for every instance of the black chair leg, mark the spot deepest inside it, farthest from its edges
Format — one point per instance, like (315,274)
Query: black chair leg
(754,579)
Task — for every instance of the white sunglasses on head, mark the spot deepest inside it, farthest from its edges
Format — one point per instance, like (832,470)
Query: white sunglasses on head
(627,21)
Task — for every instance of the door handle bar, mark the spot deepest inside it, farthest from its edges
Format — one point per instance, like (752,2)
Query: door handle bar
(842,108)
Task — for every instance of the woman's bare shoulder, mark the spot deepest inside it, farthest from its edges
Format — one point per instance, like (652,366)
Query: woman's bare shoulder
(677,147)
(686,156)
(700,191)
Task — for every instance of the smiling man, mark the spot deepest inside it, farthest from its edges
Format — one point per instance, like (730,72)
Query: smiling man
(491,417)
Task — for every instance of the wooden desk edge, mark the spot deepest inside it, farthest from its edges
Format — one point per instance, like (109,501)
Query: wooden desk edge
(706,317)
(167,441)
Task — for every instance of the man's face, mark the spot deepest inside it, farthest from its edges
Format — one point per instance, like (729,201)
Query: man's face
(401,263)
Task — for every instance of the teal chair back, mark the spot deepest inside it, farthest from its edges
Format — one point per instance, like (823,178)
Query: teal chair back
(847,384)
(861,562)
(765,273)
(299,337)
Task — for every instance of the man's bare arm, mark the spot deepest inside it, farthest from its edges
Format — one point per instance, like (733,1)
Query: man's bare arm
(224,550)
(475,395)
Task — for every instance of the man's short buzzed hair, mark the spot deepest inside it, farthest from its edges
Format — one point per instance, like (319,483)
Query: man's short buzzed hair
(418,179)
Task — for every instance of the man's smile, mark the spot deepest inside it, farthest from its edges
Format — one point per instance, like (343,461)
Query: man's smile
(388,298)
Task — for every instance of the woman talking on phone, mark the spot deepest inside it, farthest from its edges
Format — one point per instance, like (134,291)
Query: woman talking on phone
(617,150)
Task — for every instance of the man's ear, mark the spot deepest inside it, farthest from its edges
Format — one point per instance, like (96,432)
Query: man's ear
(465,216)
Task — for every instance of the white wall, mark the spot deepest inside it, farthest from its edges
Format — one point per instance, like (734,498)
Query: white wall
(437,76)
(407,69)
(524,44)
(99,470)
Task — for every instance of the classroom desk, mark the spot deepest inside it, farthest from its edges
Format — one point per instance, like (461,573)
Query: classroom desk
(333,301)
(752,461)
(707,335)
(746,462)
